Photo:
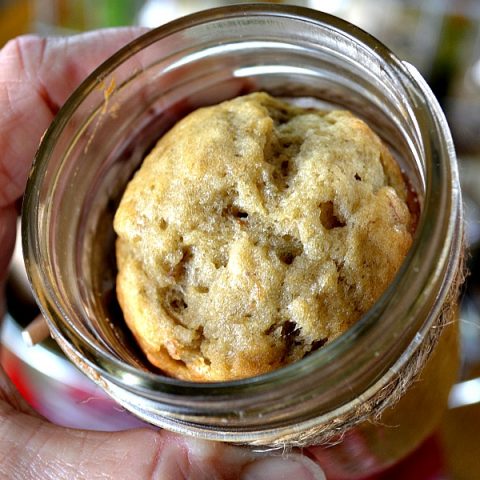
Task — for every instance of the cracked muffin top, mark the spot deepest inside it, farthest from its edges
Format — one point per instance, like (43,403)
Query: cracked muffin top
(254,233)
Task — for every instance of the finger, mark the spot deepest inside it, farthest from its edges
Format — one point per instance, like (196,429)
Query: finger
(32,449)
(290,467)
(36,77)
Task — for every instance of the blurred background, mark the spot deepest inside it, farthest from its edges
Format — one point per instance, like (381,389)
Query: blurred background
(442,39)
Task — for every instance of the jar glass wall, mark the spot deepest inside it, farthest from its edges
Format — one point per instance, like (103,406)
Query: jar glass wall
(114,118)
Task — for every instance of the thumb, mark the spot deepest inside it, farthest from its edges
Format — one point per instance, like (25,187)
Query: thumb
(295,466)
(34,449)
(36,77)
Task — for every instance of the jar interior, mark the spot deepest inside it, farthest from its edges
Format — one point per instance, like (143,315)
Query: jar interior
(115,124)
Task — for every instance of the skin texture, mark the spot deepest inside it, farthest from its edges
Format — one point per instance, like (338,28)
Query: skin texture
(36,77)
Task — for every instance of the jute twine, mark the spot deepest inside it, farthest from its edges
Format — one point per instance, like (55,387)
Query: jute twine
(371,408)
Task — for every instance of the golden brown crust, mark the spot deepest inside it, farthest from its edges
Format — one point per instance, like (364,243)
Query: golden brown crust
(255,232)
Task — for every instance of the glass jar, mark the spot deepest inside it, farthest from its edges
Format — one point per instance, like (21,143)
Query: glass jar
(345,394)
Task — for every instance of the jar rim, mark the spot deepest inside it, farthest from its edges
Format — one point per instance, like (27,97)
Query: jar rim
(437,146)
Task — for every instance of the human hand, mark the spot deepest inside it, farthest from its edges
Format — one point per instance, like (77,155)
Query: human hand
(36,77)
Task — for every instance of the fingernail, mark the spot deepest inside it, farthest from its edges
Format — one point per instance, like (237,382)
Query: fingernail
(283,468)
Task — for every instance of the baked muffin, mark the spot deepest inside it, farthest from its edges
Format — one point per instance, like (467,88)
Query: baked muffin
(254,233)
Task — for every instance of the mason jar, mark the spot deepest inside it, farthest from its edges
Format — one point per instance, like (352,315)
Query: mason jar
(363,401)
